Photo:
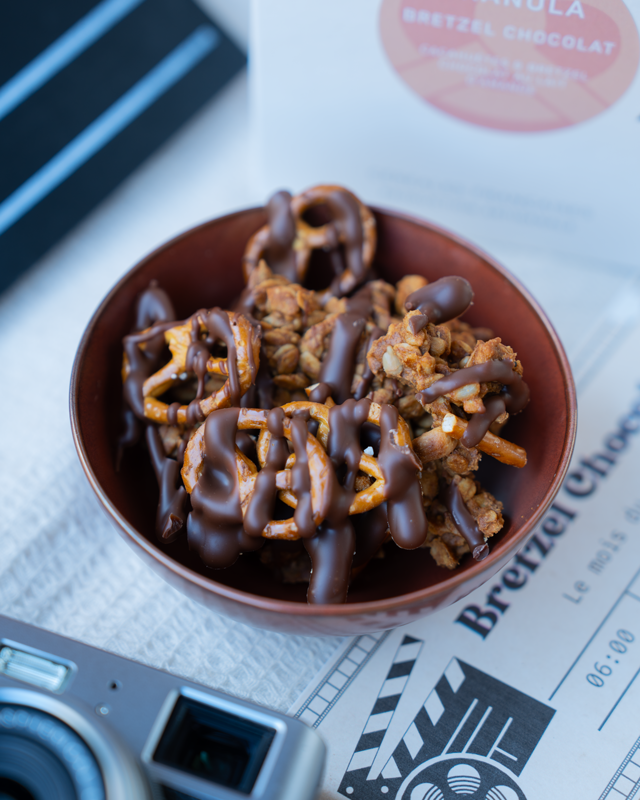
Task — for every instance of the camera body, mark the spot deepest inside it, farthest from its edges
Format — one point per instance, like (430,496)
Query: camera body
(78,722)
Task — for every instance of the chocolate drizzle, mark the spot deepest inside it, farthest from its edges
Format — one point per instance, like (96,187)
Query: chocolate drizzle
(279,252)
(372,530)
(343,445)
(333,546)
(400,466)
(263,499)
(214,527)
(339,364)
(153,307)
(479,424)
(320,393)
(513,398)
(197,355)
(301,480)
(368,375)
(348,226)
(246,446)
(465,523)
(219,328)
(331,552)
(440,301)
(171,513)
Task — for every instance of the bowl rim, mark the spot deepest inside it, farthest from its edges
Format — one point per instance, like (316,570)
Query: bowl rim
(274,605)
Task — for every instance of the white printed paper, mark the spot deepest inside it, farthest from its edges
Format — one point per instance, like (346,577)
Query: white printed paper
(503,120)
(527,689)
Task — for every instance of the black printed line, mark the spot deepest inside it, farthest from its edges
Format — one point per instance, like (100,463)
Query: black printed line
(619,699)
(596,632)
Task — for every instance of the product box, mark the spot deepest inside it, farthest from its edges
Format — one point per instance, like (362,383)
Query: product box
(510,121)
(88,90)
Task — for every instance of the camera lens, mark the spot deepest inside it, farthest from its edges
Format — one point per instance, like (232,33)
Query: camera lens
(41,758)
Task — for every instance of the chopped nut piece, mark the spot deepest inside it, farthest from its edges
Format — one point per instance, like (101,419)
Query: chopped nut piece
(391,363)
(280,336)
(462,461)
(433,445)
(409,407)
(310,365)
(286,358)
(405,287)
(291,382)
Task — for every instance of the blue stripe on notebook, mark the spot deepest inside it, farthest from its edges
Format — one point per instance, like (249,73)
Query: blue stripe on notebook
(109,124)
(63,51)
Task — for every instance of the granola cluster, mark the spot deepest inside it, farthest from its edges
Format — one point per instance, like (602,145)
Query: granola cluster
(296,332)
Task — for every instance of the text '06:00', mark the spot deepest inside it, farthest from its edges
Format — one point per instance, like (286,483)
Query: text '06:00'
(619,647)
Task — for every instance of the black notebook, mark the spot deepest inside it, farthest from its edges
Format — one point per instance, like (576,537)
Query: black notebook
(87,91)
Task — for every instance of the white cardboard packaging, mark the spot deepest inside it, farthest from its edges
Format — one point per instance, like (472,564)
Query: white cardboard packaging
(512,121)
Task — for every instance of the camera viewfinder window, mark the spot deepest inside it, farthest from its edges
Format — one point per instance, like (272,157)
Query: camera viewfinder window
(214,745)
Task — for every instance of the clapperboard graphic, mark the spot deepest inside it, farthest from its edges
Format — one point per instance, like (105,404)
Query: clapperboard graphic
(471,738)
(87,91)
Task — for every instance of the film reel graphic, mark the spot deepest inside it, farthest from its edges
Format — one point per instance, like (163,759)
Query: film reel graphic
(459,779)
(471,737)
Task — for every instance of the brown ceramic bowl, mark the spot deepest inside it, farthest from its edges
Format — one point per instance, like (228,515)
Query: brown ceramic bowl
(201,268)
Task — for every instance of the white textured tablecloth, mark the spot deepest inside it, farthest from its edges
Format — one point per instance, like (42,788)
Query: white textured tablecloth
(62,565)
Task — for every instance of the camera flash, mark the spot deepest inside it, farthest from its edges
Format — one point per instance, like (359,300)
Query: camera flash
(33,669)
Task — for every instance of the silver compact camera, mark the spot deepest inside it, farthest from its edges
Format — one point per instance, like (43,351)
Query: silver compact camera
(77,723)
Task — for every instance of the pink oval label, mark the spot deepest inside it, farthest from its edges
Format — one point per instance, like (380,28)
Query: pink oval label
(513,65)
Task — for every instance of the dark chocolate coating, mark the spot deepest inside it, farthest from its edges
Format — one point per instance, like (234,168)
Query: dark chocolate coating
(368,375)
(348,224)
(343,446)
(338,366)
(152,306)
(154,310)
(513,398)
(197,357)
(263,499)
(331,551)
(214,527)
(171,514)
(301,480)
(371,529)
(442,300)
(279,252)
(400,467)
(465,523)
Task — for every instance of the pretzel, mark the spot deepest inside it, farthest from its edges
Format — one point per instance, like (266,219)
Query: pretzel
(365,499)
(492,445)
(319,464)
(246,341)
(308,238)
(254,419)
